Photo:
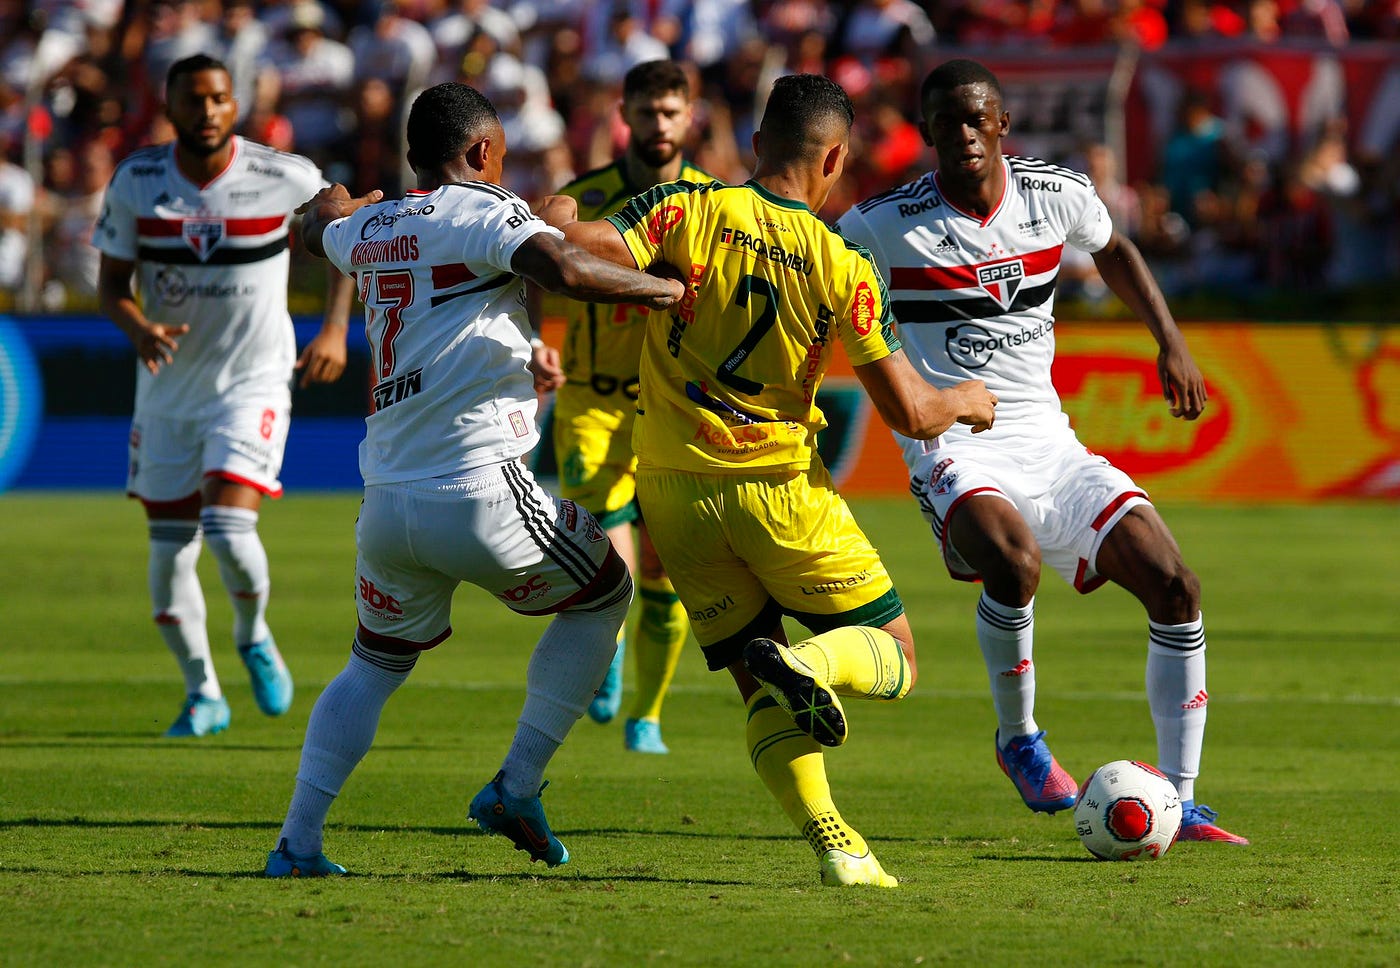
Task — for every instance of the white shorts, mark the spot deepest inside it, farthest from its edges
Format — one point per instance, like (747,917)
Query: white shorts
(169,457)
(1068,496)
(494,527)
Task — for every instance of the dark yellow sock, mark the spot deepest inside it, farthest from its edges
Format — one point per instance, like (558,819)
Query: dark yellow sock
(656,645)
(858,661)
(790,764)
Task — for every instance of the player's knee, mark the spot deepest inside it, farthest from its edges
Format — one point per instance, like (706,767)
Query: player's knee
(1176,596)
(1013,573)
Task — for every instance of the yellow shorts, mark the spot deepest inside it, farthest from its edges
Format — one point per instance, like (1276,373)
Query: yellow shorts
(744,550)
(593,447)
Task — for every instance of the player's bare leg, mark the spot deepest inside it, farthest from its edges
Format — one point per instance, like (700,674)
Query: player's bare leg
(990,534)
(1141,555)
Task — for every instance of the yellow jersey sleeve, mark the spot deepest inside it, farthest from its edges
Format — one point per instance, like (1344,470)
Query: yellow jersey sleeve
(604,341)
(729,379)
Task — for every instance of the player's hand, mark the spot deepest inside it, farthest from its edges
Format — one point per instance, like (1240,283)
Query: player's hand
(323,360)
(1183,385)
(337,202)
(156,345)
(558,210)
(544,367)
(979,405)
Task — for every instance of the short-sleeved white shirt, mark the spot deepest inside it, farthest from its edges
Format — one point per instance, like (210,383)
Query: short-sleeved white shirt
(448,332)
(975,297)
(212,256)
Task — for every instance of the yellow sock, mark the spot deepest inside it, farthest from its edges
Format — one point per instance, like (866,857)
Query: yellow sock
(656,645)
(858,661)
(790,764)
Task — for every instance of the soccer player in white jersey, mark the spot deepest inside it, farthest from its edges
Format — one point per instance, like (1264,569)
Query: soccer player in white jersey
(971,252)
(202,223)
(442,275)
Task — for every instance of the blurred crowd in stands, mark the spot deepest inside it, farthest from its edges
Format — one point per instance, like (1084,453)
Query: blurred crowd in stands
(80,85)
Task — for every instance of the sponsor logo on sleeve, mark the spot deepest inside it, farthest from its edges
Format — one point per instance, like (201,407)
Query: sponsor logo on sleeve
(863,309)
(665,219)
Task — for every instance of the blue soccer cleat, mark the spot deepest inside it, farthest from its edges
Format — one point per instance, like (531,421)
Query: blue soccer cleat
(795,686)
(520,819)
(272,683)
(1198,823)
(643,736)
(1042,782)
(200,716)
(283,863)
(608,701)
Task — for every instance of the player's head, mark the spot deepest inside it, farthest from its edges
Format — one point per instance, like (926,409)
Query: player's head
(450,123)
(200,104)
(806,124)
(964,119)
(656,107)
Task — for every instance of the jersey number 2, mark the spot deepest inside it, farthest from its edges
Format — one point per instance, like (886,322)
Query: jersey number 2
(750,286)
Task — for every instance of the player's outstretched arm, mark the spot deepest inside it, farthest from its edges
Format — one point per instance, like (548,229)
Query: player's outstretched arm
(1125,271)
(326,206)
(155,343)
(560,266)
(909,405)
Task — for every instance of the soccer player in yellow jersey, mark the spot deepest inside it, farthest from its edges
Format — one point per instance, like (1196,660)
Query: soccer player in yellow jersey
(595,406)
(741,509)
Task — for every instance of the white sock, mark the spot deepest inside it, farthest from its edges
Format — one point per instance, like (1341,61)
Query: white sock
(232,536)
(339,734)
(568,663)
(177,602)
(1176,693)
(1006,635)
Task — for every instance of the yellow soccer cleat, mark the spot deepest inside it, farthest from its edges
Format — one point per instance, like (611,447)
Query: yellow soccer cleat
(840,869)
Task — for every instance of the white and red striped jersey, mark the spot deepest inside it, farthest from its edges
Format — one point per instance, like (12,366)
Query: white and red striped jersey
(447,329)
(213,256)
(975,297)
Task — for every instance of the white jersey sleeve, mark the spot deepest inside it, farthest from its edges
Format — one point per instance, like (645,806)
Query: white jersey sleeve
(447,328)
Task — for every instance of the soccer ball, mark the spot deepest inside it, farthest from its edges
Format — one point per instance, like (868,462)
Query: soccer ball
(1127,810)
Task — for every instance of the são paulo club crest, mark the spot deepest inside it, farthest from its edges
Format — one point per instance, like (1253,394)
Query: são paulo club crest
(1001,280)
(203,235)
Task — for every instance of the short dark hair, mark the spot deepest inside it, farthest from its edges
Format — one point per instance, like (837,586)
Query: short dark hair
(957,73)
(445,119)
(194,64)
(798,107)
(655,78)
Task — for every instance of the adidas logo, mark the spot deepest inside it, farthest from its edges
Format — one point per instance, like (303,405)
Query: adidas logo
(1199,702)
(947,245)
(1024,666)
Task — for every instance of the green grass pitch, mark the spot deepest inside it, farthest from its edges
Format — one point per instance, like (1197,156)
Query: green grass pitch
(120,848)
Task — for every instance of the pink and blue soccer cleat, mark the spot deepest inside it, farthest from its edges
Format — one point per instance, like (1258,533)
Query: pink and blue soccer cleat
(1041,781)
(1198,823)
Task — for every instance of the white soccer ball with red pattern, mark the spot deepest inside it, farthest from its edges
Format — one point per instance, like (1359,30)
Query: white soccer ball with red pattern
(1127,810)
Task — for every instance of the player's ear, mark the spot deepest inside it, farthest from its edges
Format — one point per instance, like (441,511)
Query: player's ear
(834,159)
(478,154)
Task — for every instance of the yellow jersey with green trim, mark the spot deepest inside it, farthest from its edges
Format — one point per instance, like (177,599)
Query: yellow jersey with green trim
(729,378)
(599,339)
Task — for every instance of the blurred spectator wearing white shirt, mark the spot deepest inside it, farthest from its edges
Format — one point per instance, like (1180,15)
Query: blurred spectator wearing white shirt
(394,49)
(316,75)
